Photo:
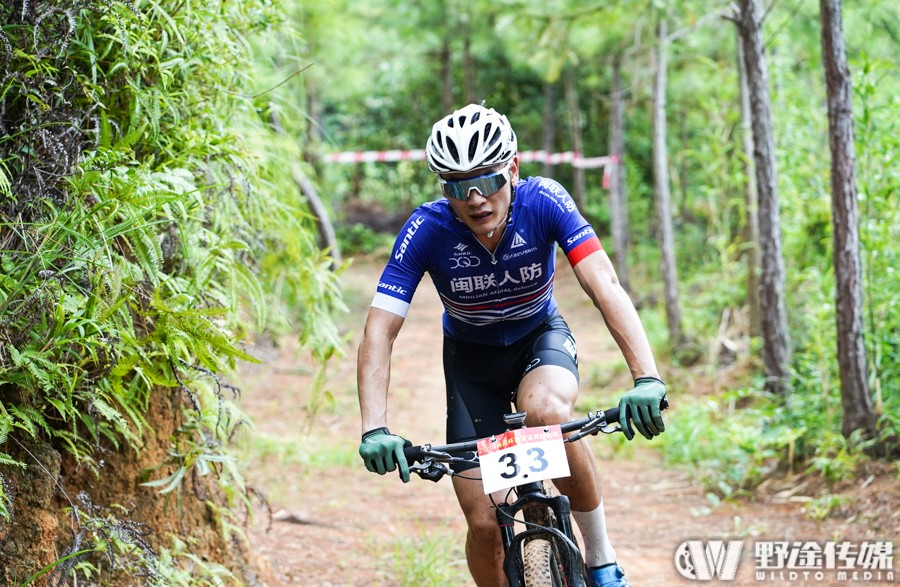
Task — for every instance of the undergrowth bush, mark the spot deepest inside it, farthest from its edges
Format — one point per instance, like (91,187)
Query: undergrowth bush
(736,440)
(358,239)
(141,240)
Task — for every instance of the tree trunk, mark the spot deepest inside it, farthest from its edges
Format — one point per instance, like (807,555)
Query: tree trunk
(663,195)
(549,125)
(776,346)
(618,200)
(858,411)
(327,235)
(751,204)
(578,188)
(311,152)
(469,67)
(446,77)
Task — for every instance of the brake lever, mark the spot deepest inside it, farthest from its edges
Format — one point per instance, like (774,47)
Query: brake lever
(432,471)
(608,428)
(600,424)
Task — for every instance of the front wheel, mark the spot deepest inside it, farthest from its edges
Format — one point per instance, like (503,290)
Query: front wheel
(544,565)
(540,557)
(541,566)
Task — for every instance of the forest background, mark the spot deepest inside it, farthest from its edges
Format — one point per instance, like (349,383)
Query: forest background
(163,166)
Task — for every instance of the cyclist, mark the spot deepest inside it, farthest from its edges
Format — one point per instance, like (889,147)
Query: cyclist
(489,246)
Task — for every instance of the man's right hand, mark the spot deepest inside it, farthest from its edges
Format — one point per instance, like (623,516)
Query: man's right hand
(642,406)
(382,452)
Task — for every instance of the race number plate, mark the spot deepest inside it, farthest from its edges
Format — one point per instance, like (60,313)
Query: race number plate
(522,456)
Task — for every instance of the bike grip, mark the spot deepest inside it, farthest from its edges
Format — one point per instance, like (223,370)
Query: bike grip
(413,454)
(612,414)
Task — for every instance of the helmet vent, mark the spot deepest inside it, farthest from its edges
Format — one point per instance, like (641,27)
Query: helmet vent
(454,152)
(493,137)
(473,145)
(494,152)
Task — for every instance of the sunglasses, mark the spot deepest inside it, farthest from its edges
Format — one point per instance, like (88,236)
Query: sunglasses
(486,184)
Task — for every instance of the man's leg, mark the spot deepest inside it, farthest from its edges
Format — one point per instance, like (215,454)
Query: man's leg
(548,394)
(484,549)
(478,394)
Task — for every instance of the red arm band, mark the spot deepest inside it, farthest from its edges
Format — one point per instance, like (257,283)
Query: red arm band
(592,245)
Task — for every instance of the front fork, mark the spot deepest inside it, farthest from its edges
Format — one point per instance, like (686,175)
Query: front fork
(533,494)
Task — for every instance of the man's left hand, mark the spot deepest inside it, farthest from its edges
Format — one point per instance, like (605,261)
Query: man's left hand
(641,405)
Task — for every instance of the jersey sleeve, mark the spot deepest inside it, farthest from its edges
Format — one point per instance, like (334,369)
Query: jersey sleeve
(405,268)
(567,226)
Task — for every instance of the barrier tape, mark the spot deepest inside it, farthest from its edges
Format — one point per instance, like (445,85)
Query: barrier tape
(376,156)
(572,157)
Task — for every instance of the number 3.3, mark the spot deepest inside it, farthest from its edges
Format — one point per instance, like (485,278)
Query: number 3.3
(513,469)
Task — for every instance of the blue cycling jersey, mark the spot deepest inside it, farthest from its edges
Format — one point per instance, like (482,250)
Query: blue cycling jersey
(489,298)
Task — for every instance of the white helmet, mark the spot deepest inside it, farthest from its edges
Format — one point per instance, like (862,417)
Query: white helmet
(471,138)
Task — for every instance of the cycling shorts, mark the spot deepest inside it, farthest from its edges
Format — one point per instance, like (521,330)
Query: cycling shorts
(482,380)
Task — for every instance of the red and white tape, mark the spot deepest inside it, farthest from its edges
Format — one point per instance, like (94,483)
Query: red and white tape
(572,157)
(376,156)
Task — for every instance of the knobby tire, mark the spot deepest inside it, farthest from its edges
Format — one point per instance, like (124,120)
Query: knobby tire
(541,563)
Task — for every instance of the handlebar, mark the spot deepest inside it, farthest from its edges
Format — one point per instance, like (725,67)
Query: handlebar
(458,452)
(432,458)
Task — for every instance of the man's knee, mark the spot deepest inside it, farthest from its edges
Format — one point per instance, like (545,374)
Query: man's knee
(483,529)
(547,408)
(548,394)
(480,515)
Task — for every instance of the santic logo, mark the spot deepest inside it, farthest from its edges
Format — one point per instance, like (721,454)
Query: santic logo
(410,233)
(704,562)
(584,232)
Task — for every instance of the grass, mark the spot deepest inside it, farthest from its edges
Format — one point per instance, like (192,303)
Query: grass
(431,558)
(603,375)
(730,451)
(822,507)
(733,441)
(307,450)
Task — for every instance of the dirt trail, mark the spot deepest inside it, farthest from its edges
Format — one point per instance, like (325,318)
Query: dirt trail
(336,524)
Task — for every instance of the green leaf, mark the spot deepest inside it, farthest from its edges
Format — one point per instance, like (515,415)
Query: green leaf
(169,483)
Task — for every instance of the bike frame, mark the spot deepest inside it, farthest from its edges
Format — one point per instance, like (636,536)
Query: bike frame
(530,495)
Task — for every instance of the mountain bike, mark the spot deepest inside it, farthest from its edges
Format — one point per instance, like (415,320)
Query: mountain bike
(546,553)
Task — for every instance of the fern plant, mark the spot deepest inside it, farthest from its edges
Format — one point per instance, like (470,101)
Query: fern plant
(144,233)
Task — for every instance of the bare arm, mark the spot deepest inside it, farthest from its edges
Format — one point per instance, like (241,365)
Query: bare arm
(598,278)
(373,366)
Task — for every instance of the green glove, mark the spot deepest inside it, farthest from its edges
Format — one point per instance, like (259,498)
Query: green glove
(642,405)
(382,452)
